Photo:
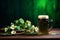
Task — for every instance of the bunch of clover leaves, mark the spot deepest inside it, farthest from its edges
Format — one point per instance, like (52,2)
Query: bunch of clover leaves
(19,25)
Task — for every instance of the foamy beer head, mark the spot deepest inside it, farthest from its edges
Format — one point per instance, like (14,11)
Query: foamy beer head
(43,23)
(43,17)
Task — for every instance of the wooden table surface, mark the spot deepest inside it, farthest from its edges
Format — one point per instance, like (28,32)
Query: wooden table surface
(53,34)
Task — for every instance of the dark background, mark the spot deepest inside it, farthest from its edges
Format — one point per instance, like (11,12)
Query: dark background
(11,10)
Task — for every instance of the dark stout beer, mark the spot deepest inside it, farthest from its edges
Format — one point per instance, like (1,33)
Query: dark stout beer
(43,25)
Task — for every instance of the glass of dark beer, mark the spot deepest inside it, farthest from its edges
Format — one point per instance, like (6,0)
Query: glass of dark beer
(43,24)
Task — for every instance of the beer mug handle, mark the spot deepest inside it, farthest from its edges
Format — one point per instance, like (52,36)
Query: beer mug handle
(50,25)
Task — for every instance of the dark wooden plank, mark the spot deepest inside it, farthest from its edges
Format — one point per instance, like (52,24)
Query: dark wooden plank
(53,34)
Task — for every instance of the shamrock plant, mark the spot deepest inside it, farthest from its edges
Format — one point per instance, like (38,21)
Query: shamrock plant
(19,25)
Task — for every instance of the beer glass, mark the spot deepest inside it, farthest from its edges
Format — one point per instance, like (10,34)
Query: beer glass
(43,24)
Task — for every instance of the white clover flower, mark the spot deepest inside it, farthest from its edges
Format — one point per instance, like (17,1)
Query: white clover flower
(21,21)
(13,32)
(6,29)
(28,23)
(32,28)
(36,29)
(13,26)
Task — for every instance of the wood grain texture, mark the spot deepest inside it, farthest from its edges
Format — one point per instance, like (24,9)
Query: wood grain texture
(53,34)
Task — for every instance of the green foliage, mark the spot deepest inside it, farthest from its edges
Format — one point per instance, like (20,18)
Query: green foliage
(20,25)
